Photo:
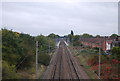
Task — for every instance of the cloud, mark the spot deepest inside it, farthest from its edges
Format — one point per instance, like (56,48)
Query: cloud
(47,17)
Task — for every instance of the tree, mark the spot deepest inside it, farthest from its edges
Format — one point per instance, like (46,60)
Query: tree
(116,52)
(114,35)
(85,35)
(53,36)
(16,46)
(46,45)
(97,36)
(10,46)
(44,59)
(72,32)
(76,41)
(70,37)
(76,37)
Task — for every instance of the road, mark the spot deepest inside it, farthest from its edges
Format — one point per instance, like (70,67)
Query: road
(64,65)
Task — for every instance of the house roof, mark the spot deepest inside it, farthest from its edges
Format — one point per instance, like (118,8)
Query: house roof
(95,40)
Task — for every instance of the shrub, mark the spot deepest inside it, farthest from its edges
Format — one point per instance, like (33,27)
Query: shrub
(44,59)
(8,72)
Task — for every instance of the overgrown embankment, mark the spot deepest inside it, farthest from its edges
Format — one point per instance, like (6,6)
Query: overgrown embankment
(18,54)
(89,59)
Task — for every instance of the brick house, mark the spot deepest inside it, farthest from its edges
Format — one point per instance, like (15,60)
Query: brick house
(105,43)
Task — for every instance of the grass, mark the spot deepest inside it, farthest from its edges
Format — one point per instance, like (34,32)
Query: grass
(83,60)
(30,73)
(83,56)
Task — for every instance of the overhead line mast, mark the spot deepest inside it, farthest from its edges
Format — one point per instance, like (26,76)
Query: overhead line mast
(36,59)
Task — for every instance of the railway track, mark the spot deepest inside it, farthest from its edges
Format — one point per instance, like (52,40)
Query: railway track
(64,66)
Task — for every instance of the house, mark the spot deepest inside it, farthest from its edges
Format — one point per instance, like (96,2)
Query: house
(105,43)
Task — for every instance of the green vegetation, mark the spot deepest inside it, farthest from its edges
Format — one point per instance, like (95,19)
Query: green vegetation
(88,58)
(8,71)
(44,59)
(53,36)
(46,44)
(114,35)
(116,53)
(85,35)
(18,53)
(70,37)
(74,39)
(97,36)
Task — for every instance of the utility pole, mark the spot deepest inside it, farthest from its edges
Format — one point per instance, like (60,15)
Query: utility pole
(72,41)
(99,60)
(49,46)
(36,59)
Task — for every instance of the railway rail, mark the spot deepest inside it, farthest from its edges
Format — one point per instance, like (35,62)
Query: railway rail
(64,65)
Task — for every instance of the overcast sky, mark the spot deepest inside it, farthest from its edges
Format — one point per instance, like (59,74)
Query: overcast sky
(59,18)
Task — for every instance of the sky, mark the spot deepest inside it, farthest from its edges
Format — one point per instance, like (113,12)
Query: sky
(37,18)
